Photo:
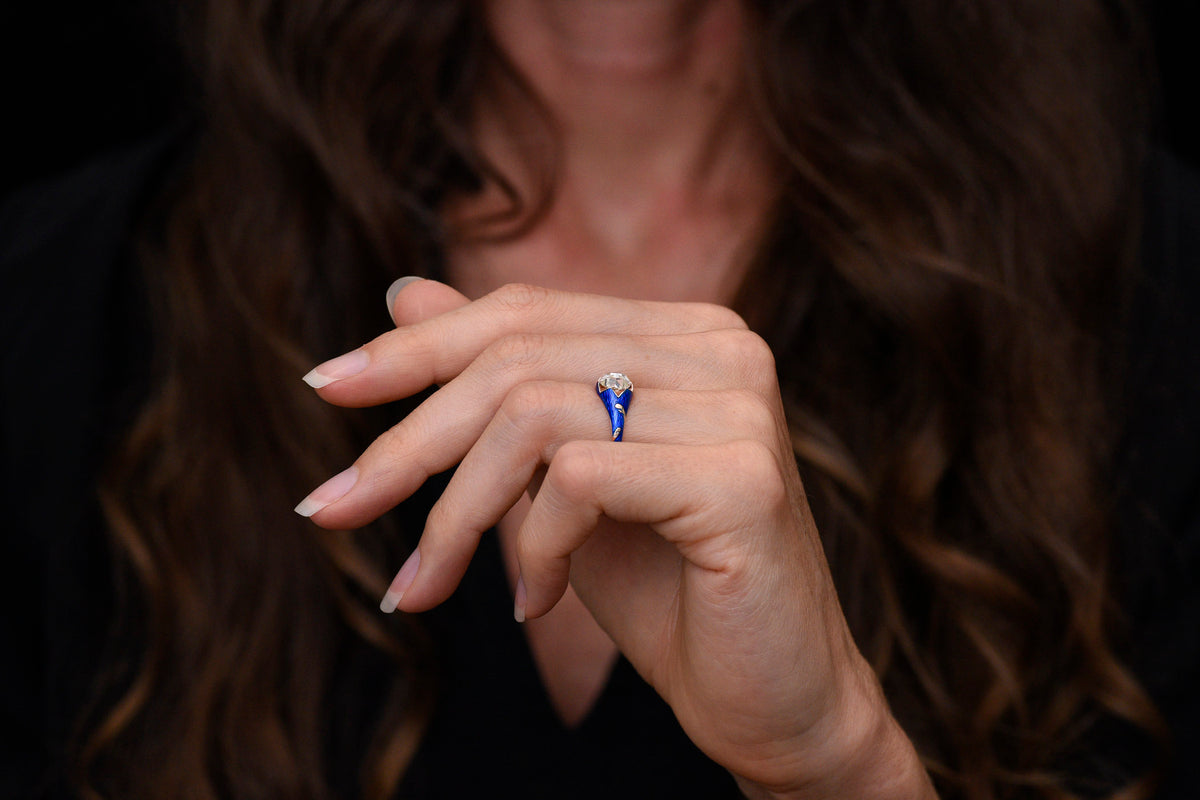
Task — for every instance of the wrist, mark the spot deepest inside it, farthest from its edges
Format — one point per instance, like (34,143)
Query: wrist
(858,750)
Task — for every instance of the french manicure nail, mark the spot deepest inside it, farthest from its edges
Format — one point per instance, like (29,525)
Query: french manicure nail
(338,368)
(328,492)
(395,288)
(400,583)
(520,600)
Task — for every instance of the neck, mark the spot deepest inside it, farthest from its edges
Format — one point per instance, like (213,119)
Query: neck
(648,102)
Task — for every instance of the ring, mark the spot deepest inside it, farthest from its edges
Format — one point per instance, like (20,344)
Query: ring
(616,390)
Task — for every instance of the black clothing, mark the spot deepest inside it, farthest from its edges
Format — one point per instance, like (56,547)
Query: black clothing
(73,332)
(74,353)
(1157,555)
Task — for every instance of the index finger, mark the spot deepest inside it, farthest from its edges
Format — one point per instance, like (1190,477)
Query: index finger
(432,351)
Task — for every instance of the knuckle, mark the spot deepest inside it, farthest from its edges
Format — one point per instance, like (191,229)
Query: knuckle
(575,468)
(515,351)
(520,299)
(399,451)
(721,317)
(439,518)
(757,471)
(753,413)
(532,403)
(754,351)
(532,398)
(385,451)
(749,354)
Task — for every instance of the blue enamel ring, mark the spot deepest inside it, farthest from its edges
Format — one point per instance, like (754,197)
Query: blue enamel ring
(615,390)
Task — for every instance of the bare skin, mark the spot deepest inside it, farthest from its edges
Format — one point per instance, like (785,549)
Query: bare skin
(664,176)
(661,188)
(690,543)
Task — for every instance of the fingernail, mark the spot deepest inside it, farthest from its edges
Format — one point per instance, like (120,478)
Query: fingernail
(400,583)
(328,492)
(336,369)
(520,600)
(395,288)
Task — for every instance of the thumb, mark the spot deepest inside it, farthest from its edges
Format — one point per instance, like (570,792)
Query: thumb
(412,299)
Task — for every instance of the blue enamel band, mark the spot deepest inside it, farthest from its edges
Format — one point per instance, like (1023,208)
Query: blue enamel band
(616,391)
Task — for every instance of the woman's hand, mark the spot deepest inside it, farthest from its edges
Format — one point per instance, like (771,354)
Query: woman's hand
(690,541)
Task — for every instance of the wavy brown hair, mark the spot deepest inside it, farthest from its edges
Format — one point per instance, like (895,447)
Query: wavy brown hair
(942,284)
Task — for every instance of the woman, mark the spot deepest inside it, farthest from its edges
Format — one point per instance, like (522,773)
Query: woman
(924,215)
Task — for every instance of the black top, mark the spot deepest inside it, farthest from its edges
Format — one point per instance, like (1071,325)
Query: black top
(72,344)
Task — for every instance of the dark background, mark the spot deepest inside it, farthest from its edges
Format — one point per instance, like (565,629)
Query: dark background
(78,78)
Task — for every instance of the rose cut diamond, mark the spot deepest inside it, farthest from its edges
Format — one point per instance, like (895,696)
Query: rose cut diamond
(615,381)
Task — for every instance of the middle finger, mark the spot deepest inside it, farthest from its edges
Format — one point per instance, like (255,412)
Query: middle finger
(441,430)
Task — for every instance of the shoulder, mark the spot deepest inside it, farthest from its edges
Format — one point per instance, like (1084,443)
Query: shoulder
(1172,199)
(1171,226)
(98,192)
(1157,552)
(90,197)
(69,328)
(69,296)
(67,231)
(68,286)
(66,252)
(1162,444)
